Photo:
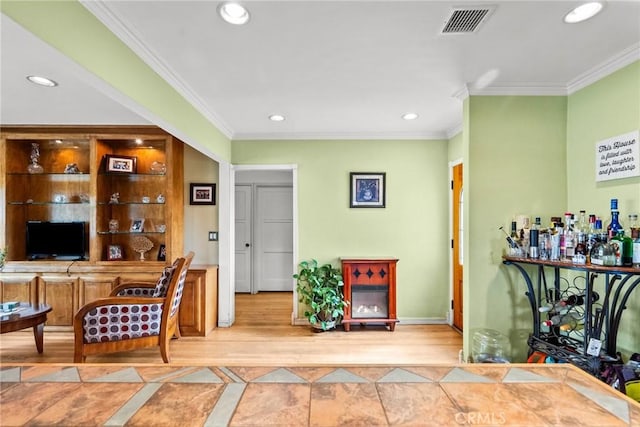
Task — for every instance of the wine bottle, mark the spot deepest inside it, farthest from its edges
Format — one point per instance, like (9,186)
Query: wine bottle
(578,299)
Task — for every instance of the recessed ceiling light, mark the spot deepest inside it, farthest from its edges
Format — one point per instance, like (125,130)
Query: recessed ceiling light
(138,141)
(42,81)
(276,117)
(410,116)
(234,13)
(583,12)
(58,141)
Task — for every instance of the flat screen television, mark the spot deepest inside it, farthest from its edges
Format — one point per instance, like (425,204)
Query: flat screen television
(56,240)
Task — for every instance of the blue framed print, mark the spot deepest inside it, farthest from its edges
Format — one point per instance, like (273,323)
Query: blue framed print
(367,189)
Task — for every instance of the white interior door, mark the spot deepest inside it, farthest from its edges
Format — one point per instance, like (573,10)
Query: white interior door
(273,250)
(243,238)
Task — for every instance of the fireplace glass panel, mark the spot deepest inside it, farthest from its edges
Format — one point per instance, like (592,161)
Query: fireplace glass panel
(369,302)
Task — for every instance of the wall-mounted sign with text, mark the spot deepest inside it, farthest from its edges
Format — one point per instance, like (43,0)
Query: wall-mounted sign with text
(618,157)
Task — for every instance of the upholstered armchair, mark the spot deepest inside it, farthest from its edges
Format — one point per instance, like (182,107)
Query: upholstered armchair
(136,315)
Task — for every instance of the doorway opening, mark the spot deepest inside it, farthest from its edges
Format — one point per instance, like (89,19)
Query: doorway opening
(265,221)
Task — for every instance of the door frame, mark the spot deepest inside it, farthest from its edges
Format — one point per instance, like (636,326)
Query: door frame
(451,284)
(294,178)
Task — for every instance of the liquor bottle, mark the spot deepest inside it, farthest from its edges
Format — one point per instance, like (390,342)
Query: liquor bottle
(581,231)
(614,225)
(635,235)
(569,242)
(591,236)
(601,232)
(603,254)
(534,241)
(623,248)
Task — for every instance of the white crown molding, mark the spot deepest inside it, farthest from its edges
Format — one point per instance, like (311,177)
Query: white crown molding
(621,60)
(462,93)
(100,10)
(315,136)
(454,131)
(507,89)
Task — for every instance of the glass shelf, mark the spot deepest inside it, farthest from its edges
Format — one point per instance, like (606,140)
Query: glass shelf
(128,203)
(47,203)
(133,175)
(80,176)
(107,233)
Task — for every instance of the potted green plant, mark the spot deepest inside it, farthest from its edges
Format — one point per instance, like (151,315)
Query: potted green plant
(3,257)
(320,289)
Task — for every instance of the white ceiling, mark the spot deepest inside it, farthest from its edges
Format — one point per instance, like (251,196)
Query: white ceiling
(335,69)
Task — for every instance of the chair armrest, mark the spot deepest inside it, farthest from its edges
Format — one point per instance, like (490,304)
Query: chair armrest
(118,318)
(133,289)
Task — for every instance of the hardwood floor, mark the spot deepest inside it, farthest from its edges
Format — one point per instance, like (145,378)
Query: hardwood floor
(263,336)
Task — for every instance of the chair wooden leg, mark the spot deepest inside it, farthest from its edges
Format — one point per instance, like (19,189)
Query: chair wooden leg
(164,350)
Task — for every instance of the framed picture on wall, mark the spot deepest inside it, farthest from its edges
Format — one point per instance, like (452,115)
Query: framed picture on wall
(367,189)
(202,194)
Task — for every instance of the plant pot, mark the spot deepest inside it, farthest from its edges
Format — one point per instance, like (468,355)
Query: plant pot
(328,326)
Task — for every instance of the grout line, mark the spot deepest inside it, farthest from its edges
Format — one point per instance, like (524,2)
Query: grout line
(134,404)
(225,406)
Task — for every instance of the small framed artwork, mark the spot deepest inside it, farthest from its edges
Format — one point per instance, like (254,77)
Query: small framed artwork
(120,164)
(114,253)
(137,225)
(162,253)
(367,190)
(202,194)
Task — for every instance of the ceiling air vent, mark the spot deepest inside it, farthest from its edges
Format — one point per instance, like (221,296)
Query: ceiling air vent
(464,20)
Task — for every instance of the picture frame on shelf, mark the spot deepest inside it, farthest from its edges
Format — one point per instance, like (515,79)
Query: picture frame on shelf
(114,253)
(202,194)
(120,164)
(137,225)
(162,253)
(367,190)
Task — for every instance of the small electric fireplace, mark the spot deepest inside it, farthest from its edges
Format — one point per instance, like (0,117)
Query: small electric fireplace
(370,288)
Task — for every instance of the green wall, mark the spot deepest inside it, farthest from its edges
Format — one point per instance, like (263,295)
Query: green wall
(602,110)
(413,227)
(456,147)
(73,30)
(514,164)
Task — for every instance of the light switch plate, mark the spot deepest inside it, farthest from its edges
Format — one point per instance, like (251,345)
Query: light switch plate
(213,236)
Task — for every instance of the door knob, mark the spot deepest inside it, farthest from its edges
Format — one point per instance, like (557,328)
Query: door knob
(246,245)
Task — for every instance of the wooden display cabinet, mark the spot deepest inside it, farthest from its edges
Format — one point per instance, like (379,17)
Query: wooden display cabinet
(73,184)
(370,288)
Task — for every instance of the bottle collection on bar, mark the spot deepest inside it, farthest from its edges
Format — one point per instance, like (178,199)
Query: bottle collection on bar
(578,240)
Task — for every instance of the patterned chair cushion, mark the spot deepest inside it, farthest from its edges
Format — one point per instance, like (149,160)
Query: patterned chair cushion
(122,322)
(163,283)
(136,292)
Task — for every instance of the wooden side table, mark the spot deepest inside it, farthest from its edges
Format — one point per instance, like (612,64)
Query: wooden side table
(26,315)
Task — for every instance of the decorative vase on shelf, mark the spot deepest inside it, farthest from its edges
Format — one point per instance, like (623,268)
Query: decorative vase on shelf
(34,167)
(142,245)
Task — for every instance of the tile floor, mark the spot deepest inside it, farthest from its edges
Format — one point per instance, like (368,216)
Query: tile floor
(164,395)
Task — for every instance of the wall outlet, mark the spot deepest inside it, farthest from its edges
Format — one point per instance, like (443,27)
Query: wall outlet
(213,236)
